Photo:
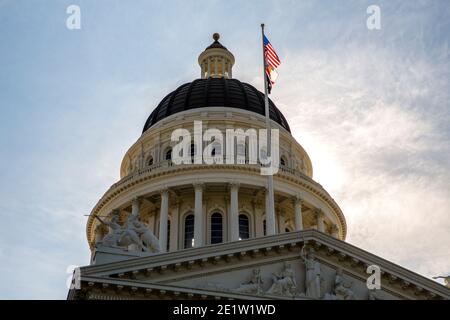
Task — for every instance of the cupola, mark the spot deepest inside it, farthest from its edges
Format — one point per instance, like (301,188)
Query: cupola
(216,61)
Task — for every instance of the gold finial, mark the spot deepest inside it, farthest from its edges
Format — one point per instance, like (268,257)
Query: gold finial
(216,36)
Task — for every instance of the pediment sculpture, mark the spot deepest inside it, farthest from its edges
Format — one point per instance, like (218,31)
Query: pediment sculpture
(313,279)
(284,283)
(341,291)
(253,285)
(446,280)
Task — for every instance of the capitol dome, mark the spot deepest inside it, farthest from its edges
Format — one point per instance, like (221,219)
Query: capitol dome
(197,204)
(214,92)
(214,230)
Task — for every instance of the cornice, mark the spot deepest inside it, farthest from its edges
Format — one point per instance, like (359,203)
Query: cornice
(395,277)
(145,175)
(101,288)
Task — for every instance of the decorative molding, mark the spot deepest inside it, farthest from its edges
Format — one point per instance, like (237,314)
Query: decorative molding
(131,181)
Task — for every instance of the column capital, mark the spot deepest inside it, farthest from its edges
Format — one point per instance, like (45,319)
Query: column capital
(334,228)
(164,191)
(318,212)
(297,200)
(136,200)
(234,185)
(198,185)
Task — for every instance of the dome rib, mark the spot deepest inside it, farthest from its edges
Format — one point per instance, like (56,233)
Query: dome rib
(206,92)
(225,93)
(260,98)
(214,92)
(170,104)
(241,86)
(186,100)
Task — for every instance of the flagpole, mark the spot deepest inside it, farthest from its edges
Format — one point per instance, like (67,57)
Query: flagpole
(270,206)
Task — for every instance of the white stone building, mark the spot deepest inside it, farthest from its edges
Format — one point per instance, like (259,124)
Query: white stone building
(212,235)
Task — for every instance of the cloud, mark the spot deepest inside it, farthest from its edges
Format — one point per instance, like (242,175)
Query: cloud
(372,124)
(371,109)
(44,230)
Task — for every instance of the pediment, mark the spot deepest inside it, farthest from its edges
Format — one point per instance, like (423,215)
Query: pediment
(270,267)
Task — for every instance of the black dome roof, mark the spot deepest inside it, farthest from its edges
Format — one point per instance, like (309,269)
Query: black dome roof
(214,92)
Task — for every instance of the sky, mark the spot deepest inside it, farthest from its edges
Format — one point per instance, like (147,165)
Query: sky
(371,108)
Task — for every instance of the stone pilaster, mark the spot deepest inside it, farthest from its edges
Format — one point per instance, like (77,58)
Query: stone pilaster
(234,211)
(298,213)
(198,215)
(319,220)
(270,217)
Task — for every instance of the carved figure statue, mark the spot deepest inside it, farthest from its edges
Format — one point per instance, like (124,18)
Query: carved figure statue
(150,242)
(312,282)
(115,231)
(284,283)
(253,285)
(446,280)
(373,295)
(342,291)
(134,232)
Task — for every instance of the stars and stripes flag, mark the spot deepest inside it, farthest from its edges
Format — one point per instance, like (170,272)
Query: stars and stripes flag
(272,62)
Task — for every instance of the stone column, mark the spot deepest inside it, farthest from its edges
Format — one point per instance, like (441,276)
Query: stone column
(298,214)
(227,221)
(215,67)
(223,67)
(319,218)
(335,231)
(234,211)
(135,206)
(174,226)
(209,67)
(163,217)
(198,215)
(270,218)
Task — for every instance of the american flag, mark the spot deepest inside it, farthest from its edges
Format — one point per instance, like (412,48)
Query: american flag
(272,62)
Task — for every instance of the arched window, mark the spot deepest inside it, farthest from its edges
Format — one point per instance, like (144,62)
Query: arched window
(189,231)
(150,161)
(169,154)
(244,225)
(241,153)
(193,149)
(216,228)
(282,161)
(264,227)
(262,154)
